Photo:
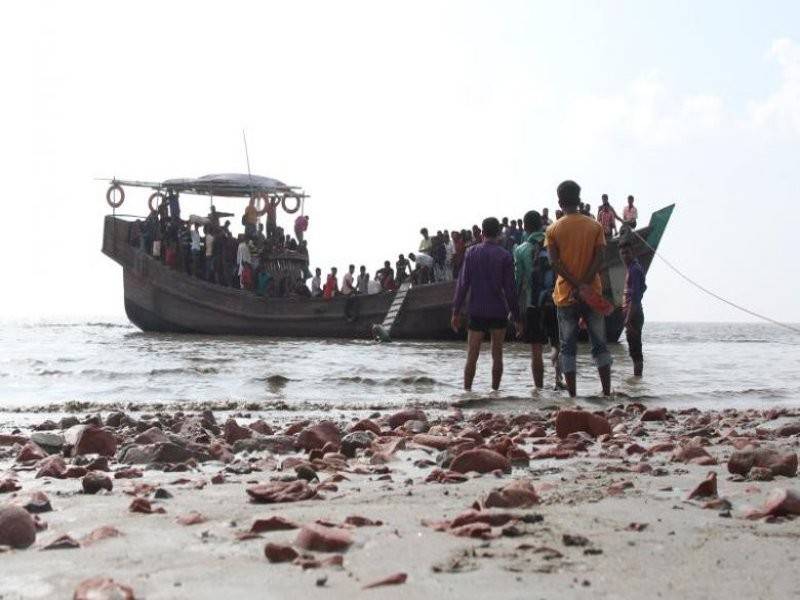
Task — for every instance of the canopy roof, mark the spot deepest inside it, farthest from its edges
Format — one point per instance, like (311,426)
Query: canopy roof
(226,184)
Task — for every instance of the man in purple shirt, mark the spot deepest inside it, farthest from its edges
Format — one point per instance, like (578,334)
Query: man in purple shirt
(488,276)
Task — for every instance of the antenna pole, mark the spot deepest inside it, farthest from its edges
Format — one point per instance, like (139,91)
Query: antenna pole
(247,158)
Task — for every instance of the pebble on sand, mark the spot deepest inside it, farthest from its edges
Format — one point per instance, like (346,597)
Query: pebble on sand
(317,538)
(102,588)
(17,528)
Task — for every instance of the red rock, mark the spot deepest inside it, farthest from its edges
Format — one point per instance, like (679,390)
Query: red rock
(692,453)
(788,429)
(618,488)
(101,533)
(36,503)
(571,421)
(102,588)
(654,414)
(75,472)
(233,432)
(317,538)
(517,494)
(480,460)
(706,488)
(439,442)
(296,427)
(192,518)
(366,425)
(318,435)
(493,519)
(634,449)
(152,436)
(305,562)
(99,464)
(94,440)
(94,481)
(395,579)
(780,502)
(410,414)
(142,505)
(357,521)
(474,530)
(62,542)
(281,491)
(17,528)
(278,553)
(517,455)
(218,478)
(129,473)
(441,476)
(7,439)
(661,447)
(9,485)
(261,427)
(742,461)
(31,451)
(52,466)
(274,523)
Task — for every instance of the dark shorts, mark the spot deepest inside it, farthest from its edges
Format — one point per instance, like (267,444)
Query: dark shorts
(541,325)
(484,325)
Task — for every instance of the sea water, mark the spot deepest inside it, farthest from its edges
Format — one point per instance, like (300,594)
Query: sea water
(51,364)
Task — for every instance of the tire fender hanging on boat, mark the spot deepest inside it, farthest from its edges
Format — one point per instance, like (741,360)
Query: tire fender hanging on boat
(296,206)
(154,196)
(115,187)
(351,309)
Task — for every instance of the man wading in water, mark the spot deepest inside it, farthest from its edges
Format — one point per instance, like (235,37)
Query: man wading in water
(488,276)
(576,243)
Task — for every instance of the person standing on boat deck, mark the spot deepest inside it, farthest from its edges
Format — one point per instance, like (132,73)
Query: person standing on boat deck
(362,281)
(576,244)
(607,217)
(209,241)
(196,248)
(423,268)
(488,277)
(316,283)
(331,285)
(401,269)
(243,258)
(546,222)
(635,287)
(630,214)
(348,280)
(250,219)
(425,242)
(300,227)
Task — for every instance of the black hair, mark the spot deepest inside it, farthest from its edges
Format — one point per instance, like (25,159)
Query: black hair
(490,227)
(604,197)
(569,193)
(532,221)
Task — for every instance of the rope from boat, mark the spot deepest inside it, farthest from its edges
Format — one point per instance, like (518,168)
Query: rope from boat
(713,294)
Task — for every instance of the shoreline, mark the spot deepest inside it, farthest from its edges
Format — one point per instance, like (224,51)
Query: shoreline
(608,514)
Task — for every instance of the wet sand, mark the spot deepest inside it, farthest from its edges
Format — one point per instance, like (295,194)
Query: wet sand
(609,516)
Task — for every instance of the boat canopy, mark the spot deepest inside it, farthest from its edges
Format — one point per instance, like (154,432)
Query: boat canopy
(226,184)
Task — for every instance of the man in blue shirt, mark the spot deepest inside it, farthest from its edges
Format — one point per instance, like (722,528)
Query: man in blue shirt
(632,310)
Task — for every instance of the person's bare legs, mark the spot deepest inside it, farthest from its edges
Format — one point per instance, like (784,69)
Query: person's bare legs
(498,336)
(570,379)
(474,341)
(537,365)
(605,379)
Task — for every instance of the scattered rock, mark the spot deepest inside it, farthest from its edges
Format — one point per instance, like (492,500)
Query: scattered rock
(316,436)
(480,460)
(95,481)
(142,505)
(317,538)
(37,503)
(572,421)
(102,588)
(274,523)
(62,542)
(17,528)
(411,414)
(90,439)
(281,491)
(780,502)
(654,414)
(517,494)
(706,488)
(233,432)
(396,579)
(192,518)
(779,463)
(279,553)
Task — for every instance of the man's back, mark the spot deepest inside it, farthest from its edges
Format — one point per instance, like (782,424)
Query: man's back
(577,238)
(488,274)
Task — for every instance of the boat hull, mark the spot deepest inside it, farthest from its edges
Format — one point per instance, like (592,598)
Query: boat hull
(161,299)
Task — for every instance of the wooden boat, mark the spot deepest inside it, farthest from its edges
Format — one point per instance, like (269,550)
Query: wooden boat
(162,299)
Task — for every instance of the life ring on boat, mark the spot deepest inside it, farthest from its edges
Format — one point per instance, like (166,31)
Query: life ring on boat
(296,206)
(260,201)
(153,196)
(351,310)
(115,187)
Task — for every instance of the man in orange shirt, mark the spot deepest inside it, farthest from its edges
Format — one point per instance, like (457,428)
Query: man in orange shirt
(576,243)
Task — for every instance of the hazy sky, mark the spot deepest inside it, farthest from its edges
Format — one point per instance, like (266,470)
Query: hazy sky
(395,115)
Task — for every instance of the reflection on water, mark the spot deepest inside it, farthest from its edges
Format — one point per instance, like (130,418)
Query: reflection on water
(686,364)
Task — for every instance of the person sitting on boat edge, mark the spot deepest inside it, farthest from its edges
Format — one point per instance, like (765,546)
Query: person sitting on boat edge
(575,244)
(630,214)
(488,277)
(423,267)
(635,287)
(348,281)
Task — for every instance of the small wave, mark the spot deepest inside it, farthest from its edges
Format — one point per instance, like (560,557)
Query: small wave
(104,374)
(411,380)
(185,371)
(353,379)
(52,373)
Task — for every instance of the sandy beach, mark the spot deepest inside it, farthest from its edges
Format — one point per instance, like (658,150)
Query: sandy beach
(569,504)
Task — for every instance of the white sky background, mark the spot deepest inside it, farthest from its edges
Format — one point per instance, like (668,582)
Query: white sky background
(398,115)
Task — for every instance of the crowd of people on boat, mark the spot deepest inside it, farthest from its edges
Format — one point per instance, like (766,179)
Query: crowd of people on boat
(440,257)
(206,248)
